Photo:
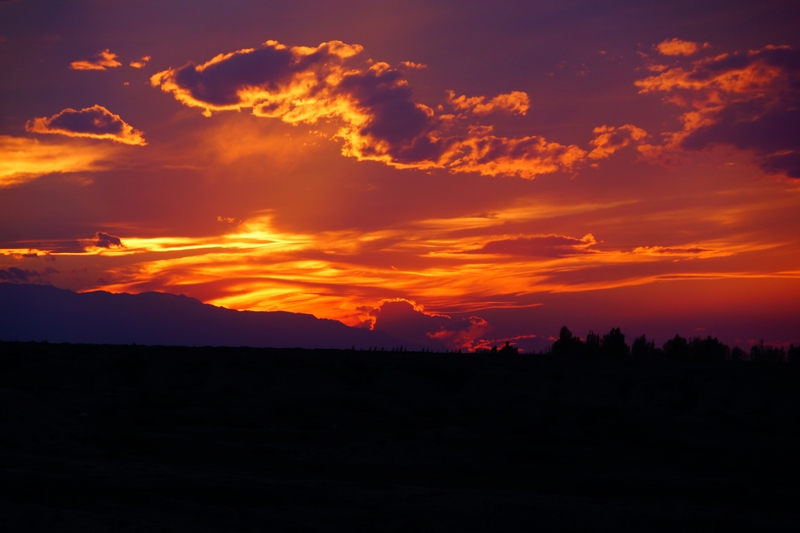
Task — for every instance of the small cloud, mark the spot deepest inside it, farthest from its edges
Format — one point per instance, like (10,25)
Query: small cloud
(677,47)
(140,63)
(413,66)
(101,61)
(513,102)
(539,246)
(104,240)
(94,122)
(609,139)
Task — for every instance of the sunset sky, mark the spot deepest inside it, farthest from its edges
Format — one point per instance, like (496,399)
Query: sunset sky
(456,173)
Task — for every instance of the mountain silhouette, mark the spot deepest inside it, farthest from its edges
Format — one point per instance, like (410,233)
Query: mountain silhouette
(31,312)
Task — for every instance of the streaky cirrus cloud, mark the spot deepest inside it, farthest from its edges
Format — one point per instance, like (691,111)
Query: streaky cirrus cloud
(23,159)
(102,60)
(94,122)
(749,100)
(372,104)
(140,63)
(678,47)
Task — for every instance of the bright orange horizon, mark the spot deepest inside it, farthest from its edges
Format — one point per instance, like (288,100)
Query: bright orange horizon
(458,176)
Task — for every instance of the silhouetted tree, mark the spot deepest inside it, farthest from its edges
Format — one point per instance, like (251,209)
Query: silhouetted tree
(641,349)
(708,349)
(613,344)
(794,354)
(677,348)
(592,344)
(567,344)
(508,349)
(767,354)
(737,354)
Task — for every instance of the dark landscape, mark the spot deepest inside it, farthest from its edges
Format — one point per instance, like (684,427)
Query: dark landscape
(132,438)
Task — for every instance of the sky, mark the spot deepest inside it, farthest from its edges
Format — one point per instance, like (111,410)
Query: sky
(456,173)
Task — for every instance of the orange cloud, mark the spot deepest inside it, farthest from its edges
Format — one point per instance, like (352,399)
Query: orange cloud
(103,60)
(140,63)
(513,102)
(371,103)
(94,122)
(413,66)
(748,100)
(677,47)
(23,159)
(610,139)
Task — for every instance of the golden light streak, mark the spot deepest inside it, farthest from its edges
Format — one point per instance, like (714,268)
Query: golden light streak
(23,159)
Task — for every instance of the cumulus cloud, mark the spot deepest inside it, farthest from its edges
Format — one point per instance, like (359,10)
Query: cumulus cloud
(539,245)
(372,104)
(94,122)
(404,319)
(140,63)
(102,60)
(677,47)
(749,100)
(23,159)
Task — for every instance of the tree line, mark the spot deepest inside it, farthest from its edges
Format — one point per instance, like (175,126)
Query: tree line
(708,349)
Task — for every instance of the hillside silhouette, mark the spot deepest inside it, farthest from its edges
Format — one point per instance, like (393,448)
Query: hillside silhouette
(31,312)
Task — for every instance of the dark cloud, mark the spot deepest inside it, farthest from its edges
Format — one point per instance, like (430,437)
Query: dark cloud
(104,240)
(404,320)
(94,122)
(538,246)
(748,100)
(17,275)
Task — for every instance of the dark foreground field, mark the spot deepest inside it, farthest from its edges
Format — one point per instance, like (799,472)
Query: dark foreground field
(127,438)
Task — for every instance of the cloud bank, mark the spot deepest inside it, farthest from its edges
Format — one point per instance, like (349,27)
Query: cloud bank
(94,122)
(372,104)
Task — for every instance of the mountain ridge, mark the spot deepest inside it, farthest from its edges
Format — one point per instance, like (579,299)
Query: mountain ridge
(47,313)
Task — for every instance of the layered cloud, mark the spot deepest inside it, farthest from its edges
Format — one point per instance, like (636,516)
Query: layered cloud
(748,100)
(94,122)
(372,104)
(103,60)
(23,159)
(18,275)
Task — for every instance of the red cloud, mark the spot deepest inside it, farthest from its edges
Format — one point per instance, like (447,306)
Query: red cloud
(94,122)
